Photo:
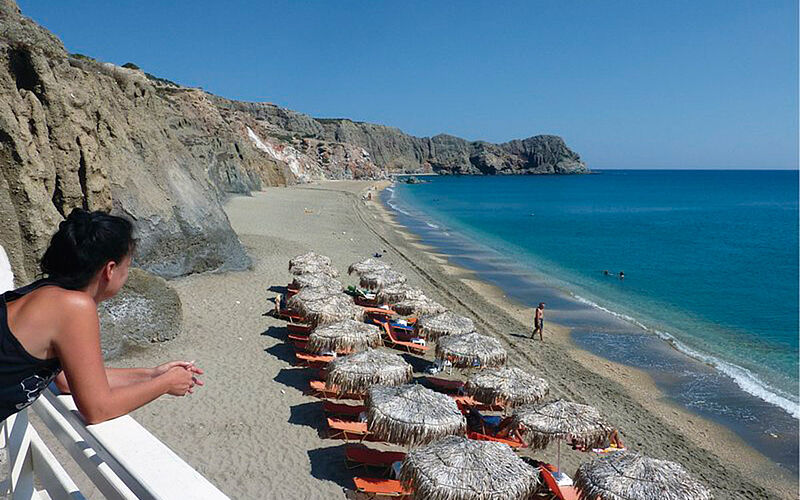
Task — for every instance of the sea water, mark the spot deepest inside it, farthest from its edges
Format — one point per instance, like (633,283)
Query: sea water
(709,300)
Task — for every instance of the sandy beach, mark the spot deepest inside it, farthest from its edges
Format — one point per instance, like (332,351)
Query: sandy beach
(253,432)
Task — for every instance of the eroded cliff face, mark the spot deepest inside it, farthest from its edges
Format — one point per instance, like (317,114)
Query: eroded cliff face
(75,132)
(397,152)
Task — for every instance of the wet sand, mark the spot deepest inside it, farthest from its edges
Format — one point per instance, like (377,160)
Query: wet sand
(254,433)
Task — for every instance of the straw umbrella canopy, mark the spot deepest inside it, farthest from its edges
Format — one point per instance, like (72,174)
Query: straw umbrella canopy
(367,266)
(355,373)
(447,323)
(376,280)
(412,414)
(456,468)
(397,293)
(418,305)
(561,420)
(631,476)
(313,268)
(296,302)
(329,310)
(509,386)
(316,281)
(471,349)
(309,258)
(344,336)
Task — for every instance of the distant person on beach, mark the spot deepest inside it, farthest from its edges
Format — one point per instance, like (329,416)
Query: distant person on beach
(538,321)
(55,326)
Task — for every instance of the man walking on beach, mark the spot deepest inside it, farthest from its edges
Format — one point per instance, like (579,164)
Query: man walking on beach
(538,321)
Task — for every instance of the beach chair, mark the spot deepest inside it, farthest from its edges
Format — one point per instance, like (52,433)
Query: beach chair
(358,455)
(378,312)
(513,443)
(347,430)
(312,360)
(444,385)
(381,487)
(393,341)
(342,410)
(318,389)
(298,341)
(465,403)
(298,329)
(291,316)
(559,492)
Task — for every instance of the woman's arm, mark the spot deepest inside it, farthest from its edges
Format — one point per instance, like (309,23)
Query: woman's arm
(77,345)
(121,377)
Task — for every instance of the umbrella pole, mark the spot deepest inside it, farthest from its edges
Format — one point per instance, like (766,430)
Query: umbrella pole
(558,457)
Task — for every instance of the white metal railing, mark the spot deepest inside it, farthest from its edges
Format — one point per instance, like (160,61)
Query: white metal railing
(120,457)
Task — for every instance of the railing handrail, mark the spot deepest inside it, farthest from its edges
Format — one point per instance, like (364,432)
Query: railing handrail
(121,458)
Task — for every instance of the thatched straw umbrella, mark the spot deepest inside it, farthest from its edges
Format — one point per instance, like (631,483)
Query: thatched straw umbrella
(559,420)
(329,310)
(367,266)
(355,373)
(471,349)
(508,386)
(412,414)
(310,258)
(380,279)
(629,476)
(447,323)
(397,293)
(344,336)
(456,468)
(296,302)
(316,281)
(418,305)
(313,268)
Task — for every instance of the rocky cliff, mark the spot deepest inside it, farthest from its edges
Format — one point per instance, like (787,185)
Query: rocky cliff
(75,132)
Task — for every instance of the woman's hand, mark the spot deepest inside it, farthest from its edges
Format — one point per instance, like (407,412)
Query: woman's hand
(180,380)
(189,365)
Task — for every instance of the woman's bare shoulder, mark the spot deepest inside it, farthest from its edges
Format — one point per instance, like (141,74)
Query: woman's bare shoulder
(61,300)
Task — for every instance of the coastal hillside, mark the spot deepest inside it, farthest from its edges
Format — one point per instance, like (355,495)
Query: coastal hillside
(76,132)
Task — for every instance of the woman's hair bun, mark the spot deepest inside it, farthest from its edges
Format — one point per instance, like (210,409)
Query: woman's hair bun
(84,243)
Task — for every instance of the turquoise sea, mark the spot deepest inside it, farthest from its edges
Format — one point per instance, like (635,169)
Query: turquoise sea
(709,299)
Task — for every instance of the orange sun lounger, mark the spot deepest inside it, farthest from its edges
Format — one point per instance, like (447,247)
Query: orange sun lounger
(445,385)
(477,436)
(298,341)
(298,329)
(342,409)
(559,492)
(320,390)
(358,455)
(312,360)
(347,429)
(466,402)
(380,487)
(291,316)
(394,342)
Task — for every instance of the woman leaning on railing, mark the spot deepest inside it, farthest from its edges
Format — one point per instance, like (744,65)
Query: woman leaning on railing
(50,330)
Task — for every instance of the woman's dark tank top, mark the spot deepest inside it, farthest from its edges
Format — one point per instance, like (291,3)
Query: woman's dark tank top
(22,376)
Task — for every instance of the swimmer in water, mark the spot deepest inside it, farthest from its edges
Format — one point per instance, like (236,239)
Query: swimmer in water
(622,275)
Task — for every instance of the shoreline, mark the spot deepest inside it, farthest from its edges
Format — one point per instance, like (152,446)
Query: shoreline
(639,383)
(253,432)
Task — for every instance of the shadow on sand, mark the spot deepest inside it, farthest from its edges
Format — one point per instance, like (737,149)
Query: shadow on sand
(283,352)
(296,378)
(276,332)
(327,464)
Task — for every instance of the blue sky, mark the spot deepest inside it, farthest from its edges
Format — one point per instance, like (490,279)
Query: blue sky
(656,84)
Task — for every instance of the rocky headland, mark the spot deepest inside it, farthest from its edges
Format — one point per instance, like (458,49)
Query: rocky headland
(77,132)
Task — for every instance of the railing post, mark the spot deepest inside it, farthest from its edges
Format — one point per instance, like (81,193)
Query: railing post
(20,460)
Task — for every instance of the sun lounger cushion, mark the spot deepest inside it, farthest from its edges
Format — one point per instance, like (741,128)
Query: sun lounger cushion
(380,486)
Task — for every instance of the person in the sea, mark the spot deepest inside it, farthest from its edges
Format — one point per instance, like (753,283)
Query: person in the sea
(52,325)
(622,275)
(538,321)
